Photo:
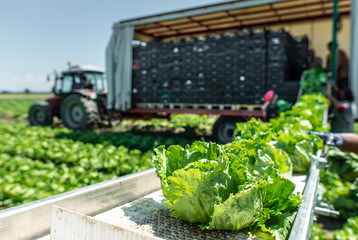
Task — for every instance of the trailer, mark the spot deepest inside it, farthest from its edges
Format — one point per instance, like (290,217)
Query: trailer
(159,91)
(205,60)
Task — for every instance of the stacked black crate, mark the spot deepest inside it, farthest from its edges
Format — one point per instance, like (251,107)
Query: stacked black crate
(189,73)
(214,71)
(301,56)
(140,75)
(153,75)
(298,65)
(255,83)
(174,88)
(278,61)
(242,42)
(301,45)
(196,90)
(228,68)
(135,73)
(164,69)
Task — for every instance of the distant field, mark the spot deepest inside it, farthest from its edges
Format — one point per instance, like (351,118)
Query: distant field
(18,104)
(24,95)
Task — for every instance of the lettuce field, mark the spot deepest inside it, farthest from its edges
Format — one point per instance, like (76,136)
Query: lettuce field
(37,162)
(18,104)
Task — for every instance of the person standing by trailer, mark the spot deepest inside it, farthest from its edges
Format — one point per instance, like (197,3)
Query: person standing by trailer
(270,109)
(313,60)
(342,67)
(273,106)
(343,111)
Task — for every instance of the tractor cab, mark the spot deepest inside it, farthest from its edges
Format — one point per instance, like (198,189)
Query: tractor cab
(79,78)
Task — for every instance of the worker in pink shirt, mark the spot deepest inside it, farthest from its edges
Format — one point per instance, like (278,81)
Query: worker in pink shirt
(343,111)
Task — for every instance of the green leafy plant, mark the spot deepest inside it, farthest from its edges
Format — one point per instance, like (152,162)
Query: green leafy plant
(289,131)
(34,163)
(239,186)
(313,80)
(349,231)
(231,187)
(345,164)
(17,107)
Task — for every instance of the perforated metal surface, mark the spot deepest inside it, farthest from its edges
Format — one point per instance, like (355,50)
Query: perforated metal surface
(150,216)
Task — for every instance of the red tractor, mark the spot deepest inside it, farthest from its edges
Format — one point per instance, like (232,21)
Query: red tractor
(79,101)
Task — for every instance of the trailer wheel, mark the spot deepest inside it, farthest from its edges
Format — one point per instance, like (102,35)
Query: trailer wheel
(78,112)
(40,114)
(224,128)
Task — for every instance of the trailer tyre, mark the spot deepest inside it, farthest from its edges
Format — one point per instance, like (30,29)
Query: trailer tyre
(40,114)
(78,112)
(224,128)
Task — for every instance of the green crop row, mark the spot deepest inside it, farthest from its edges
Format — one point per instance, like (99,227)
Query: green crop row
(24,180)
(188,125)
(40,143)
(17,107)
(46,151)
(129,140)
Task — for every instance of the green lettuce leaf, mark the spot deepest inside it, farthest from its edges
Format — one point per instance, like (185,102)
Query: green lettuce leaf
(230,187)
(279,224)
(196,188)
(349,231)
(239,211)
(345,164)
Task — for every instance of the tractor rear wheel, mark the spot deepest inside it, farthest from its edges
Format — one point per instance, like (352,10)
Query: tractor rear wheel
(40,114)
(78,112)
(224,128)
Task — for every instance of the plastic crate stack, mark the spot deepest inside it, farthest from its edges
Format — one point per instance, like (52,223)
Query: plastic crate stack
(235,68)
(256,82)
(284,66)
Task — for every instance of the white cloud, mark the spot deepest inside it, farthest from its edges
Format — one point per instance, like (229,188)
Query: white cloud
(15,78)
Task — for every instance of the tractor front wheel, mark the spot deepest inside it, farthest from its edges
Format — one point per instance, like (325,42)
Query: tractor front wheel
(78,112)
(40,114)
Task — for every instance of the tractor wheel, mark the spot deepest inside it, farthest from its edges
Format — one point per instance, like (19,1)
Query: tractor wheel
(79,113)
(224,128)
(40,114)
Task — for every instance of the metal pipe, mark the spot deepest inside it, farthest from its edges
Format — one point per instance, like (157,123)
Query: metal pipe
(334,42)
(326,212)
(302,227)
(353,63)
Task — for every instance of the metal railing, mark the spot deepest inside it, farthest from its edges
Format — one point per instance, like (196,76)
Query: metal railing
(33,220)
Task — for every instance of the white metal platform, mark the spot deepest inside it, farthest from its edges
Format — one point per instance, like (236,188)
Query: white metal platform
(144,218)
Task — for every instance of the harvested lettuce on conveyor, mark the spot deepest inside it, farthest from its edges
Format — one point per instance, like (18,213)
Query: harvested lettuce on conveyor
(229,187)
(240,186)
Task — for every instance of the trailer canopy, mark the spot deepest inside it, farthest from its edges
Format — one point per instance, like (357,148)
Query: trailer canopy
(217,18)
(231,16)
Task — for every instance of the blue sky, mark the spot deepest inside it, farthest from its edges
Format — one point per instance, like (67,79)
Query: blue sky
(39,36)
